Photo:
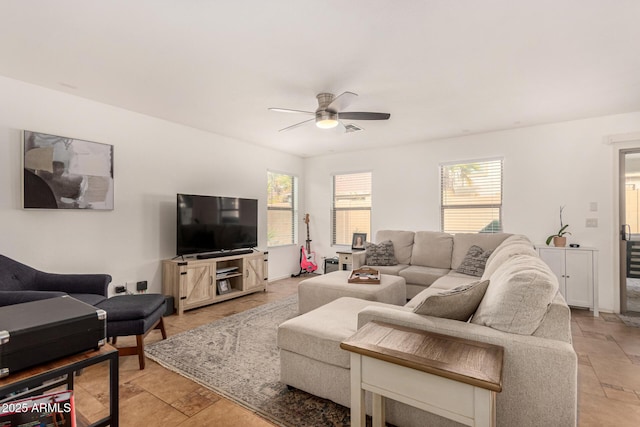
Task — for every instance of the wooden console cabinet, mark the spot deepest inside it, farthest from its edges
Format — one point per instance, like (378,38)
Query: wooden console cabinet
(195,282)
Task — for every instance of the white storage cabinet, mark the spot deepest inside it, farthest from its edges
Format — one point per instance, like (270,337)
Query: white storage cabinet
(577,272)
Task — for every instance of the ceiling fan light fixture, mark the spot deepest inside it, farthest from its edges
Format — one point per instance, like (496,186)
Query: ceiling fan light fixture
(326,119)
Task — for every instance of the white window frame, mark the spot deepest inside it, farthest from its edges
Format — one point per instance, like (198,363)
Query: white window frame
(333,232)
(295,216)
(498,206)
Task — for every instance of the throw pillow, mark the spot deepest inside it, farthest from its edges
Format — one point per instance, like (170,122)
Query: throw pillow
(474,261)
(458,303)
(380,254)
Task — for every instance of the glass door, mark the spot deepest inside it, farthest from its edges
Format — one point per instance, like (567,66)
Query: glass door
(630,231)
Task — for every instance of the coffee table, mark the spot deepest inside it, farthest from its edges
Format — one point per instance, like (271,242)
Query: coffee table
(320,290)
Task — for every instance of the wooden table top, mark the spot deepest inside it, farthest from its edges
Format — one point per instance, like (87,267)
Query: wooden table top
(471,362)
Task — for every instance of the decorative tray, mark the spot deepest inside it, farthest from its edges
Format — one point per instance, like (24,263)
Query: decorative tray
(365,275)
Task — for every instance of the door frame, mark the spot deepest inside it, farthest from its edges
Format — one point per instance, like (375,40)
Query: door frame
(622,144)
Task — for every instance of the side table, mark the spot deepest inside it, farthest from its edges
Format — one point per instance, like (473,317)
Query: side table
(59,372)
(345,259)
(452,377)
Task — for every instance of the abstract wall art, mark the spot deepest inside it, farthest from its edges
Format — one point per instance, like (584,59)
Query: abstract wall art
(66,173)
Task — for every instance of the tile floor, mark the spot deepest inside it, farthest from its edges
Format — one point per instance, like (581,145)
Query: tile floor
(608,375)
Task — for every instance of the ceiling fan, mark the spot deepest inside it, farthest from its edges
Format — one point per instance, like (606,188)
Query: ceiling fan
(329,113)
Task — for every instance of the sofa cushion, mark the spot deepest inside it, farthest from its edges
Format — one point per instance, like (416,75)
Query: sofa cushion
(402,243)
(432,249)
(380,254)
(457,303)
(463,241)
(452,280)
(422,275)
(517,299)
(474,261)
(513,245)
(393,270)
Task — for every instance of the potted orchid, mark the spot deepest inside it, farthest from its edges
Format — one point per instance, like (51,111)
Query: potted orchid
(558,239)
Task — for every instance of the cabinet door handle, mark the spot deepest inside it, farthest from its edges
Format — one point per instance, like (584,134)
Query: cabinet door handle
(210,280)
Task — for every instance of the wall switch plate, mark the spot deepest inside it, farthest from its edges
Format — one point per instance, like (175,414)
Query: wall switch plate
(592,222)
(593,206)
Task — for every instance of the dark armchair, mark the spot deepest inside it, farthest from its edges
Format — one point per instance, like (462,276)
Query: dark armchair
(21,283)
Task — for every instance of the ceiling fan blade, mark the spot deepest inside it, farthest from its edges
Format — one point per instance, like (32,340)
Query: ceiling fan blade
(296,125)
(341,101)
(349,115)
(289,110)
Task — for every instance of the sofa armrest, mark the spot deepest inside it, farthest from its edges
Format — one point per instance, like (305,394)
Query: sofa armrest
(73,283)
(539,375)
(358,259)
(18,297)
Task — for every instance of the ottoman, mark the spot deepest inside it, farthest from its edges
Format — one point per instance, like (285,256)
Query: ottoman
(134,315)
(320,290)
(310,355)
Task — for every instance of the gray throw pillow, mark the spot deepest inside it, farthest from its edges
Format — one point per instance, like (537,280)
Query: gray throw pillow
(380,254)
(458,303)
(474,261)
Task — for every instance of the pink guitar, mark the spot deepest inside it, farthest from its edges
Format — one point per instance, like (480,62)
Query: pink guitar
(307,257)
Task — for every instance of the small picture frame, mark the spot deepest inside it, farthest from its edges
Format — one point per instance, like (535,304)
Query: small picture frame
(357,243)
(224,287)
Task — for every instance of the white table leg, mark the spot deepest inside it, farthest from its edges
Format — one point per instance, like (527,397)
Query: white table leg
(378,415)
(358,416)
(484,407)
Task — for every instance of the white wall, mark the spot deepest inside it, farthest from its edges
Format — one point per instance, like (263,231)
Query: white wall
(154,160)
(544,167)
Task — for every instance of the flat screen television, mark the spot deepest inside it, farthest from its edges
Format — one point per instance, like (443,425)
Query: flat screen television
(214,223)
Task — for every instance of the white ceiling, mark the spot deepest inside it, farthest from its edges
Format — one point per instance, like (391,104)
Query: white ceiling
(442,68)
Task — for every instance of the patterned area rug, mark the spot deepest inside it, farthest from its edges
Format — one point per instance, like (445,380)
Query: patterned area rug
(237,357)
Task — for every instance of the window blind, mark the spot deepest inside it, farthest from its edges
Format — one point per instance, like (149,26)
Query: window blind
(351,207)
(471,197)
(282,213)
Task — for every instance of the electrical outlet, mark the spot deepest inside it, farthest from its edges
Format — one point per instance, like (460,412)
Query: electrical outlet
(120,289)
(592,222)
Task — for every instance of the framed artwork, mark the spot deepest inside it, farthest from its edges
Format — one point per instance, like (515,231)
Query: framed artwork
(66,173)
(224,287)
(358,240)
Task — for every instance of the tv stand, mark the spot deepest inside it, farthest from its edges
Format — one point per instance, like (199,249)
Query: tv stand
(214,277)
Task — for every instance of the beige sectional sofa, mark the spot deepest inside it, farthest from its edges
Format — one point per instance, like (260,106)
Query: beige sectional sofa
(425,257)
(521,311)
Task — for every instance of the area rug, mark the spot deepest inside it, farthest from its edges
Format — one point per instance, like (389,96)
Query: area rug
(237,358)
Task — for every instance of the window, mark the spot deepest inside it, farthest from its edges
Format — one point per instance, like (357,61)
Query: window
(282,209)
(351,209)
(471,197)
